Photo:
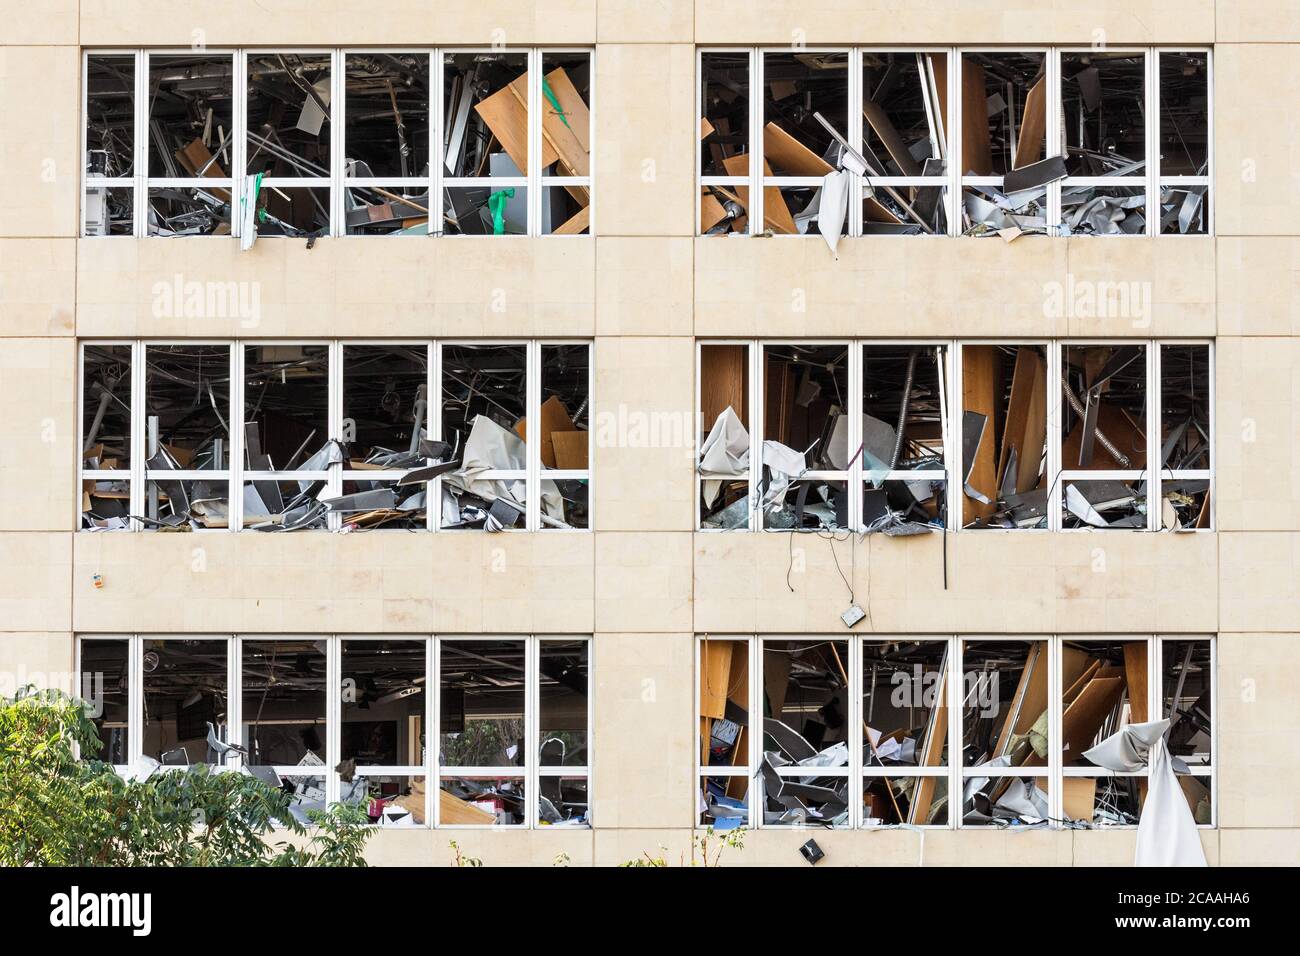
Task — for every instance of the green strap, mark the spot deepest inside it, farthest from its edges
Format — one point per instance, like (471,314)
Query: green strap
(497,204)
(550,95)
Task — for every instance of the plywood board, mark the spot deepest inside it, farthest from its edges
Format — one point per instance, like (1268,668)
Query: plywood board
(1135,677)
(724,382)
(1026,425)
(776,214)
(789,157)
(979,394)
(1029,138)
(889,135)
(570,450)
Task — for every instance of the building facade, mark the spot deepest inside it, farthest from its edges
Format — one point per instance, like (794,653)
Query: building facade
(201,291)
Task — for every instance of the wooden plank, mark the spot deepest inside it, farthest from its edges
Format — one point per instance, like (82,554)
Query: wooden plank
(555,418)
(1029,701)
(1026,425)
(931,755)
(712,211)
(1033,126)
(889,135)
(570,450)
(452,809)
(576,226)
(1079,797)
(715,672)
(979,394)
(1135,678)
(1084,717)
(789,157)
(194,157)
(1120,428)
(506,114)
(776,214)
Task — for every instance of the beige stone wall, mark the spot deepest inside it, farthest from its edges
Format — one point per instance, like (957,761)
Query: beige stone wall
(644,583)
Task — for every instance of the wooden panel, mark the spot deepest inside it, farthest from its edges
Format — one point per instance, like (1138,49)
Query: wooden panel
(1030,699)
(1135,675)
(1079,796)
(724,381)
(889,135)
(715,670)
(1026,425)
(454,810)
(789,157)
(1029,139)
(1083,718)
(776,214)
(979,394)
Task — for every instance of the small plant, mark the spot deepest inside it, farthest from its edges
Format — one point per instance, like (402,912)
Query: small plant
(461,859)
(715,843)
(561,859)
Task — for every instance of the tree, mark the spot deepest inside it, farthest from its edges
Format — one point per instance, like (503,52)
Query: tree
(57,810)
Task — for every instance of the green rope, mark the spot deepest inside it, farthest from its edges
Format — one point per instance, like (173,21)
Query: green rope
(497,204)
(550,95)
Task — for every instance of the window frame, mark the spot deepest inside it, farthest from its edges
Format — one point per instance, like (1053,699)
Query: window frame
(956,771)
(337,182)
(955,181)
(237,474)
(431,769)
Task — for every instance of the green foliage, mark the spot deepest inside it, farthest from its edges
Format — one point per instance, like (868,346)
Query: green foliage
(56,810)
(706,850)
(461,859)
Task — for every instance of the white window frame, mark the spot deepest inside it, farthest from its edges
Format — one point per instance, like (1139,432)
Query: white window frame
(235,413)
(955,181)
(337,182)
(431,769)
(955,772)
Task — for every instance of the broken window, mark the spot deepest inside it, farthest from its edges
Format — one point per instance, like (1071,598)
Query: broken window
(106,503)
(187,410)
(905,143)
(724,440)
(904,436)
(487,393)
(1184,145)
(1104,426)
(724,762)
(1003,145)
(490,757)
(287,452)
(1005,726)
(1004,436)
(284,704)
(190,144)
(288,142)
(386,137)
(502,108)
(382,729)
(110,144)
(905,721)
(724,142)
(1186,442)
(803,776)
(805,450)
(385,437)
(106,686)
(1105,104)
(186,701)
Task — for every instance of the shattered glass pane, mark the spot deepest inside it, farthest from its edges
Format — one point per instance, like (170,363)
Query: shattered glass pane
(562,802)
(1104,406)
(172,505)
(1103,98)
(566,211)
(1005,713)
(902,106)
(373,504)
(1103,210)
(1105,800)
(191,125)
(1186,699)
(565,406)
(110,115)
(1004,436)
(724,802)
(482,801)
(293,211)
(387,129)
(724,439)
(905,211)
(285,505)
(179,211)
(566,502)
(1103,690)
(797,85)
(109,211)
(807,505)
(724,128)
(1184,114)
(904,704)
(805,689)
(1104,504)
(185,697)
(900,507)
(392,210)
(564,684)
(914,801)
(289,114)
(481,697)
(389,800)
(383,702)
(566,114)
(105,668)
(305,795)
(1005,801)
(286,406)
(1184,211)
(806,395)
(486,114)
(385,405)
(106,407)
(485,211)
(722,211)
(187,406)
(903,401)
(106,504)
(991,212)
(284,695)
(1004,111)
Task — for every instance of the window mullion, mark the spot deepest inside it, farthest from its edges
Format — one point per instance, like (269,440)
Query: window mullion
(757,378)
(138,467)
(437,148)
(235,506)
(1054,435)
(756,214)
(1055,136)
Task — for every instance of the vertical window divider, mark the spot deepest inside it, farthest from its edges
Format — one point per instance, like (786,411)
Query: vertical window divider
(954,684)
(757,380)
(1151,58)
(433,415)
(854,691)
(135,699)
(434,760)
(532,778)
(855,134)
(239,140)
(437,144)
(533,443)
(756,93)
(854,487)
(1054,419)
(956,68)
(140,194)
(334,483)
(235,506)
(1155,415)
(535,106)
(432,739)
(1055,145)
(138,400)
(1055,740)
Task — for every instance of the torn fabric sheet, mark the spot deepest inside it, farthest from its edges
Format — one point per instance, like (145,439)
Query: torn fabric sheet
(490,447)
(1166,834)
(785,465)
(724,454)
(833,208)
